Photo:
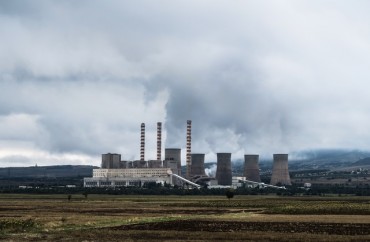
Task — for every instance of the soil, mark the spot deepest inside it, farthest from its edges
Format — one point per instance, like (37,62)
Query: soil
(225,226)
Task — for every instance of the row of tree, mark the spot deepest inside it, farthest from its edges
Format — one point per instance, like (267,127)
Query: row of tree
(155,189)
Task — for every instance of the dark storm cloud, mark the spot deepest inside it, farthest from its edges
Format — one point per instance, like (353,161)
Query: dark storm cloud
(79,77)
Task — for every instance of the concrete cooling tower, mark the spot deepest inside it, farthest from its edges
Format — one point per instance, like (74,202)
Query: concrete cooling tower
(251,168)
(110,161)
(172,155)
(223,172)
(280,172)
(197,165)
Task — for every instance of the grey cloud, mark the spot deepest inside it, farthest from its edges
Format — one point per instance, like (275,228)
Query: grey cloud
(257,77)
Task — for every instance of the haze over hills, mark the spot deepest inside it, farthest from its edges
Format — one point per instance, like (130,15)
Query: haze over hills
(314,159)
(47,171)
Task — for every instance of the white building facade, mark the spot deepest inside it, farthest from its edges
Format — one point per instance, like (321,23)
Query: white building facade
(128,177)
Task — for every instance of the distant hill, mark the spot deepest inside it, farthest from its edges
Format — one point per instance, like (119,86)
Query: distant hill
(311,159)
(331,155)
(47,171)
(362,162)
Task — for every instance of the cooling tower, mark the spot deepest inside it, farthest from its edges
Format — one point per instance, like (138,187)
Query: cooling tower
(110,161)
(251,169)
(188,148)
(142,142)
(197,165)
(173,156)
(172,160)
(280,172)
(223,172)
(159,141)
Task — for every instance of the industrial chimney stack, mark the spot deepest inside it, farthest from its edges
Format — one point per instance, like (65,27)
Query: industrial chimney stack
(188,148)
(159,141)
(251,169)
(280,172)
(142,142)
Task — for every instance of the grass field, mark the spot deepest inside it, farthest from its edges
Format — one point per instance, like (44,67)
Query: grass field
(186,218)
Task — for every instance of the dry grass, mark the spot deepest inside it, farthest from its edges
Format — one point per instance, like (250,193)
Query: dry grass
(100,217)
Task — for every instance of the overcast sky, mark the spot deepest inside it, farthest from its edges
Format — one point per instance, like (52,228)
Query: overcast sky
(79,77)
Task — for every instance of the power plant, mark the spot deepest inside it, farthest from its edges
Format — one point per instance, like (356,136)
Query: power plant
(116,172)
(251,168)
(280,172)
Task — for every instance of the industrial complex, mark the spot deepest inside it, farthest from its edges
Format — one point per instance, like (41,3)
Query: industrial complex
(115,172)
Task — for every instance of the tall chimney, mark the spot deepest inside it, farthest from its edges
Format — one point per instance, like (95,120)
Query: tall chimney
(159,141)
(142,142)
(188,148)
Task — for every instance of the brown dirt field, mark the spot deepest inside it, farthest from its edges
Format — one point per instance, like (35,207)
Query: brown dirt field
(160,218)
(225,226)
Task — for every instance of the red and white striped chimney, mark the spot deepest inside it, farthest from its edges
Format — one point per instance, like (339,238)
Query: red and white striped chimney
(142,142)
(188,148)
(159,141)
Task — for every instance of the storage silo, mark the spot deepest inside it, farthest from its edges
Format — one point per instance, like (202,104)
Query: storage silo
(223,172)
(197,165)
(251,168)
(280,172)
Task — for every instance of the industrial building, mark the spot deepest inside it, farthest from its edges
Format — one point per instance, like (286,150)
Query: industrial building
(136,173)
(116,172)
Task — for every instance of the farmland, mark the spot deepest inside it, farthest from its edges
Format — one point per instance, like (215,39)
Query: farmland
(186,218)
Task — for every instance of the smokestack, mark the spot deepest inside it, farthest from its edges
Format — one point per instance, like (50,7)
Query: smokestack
(280,172)
(142,142)
(188,148)
(197,165)
(159,141)
(223,172)
(251,169)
